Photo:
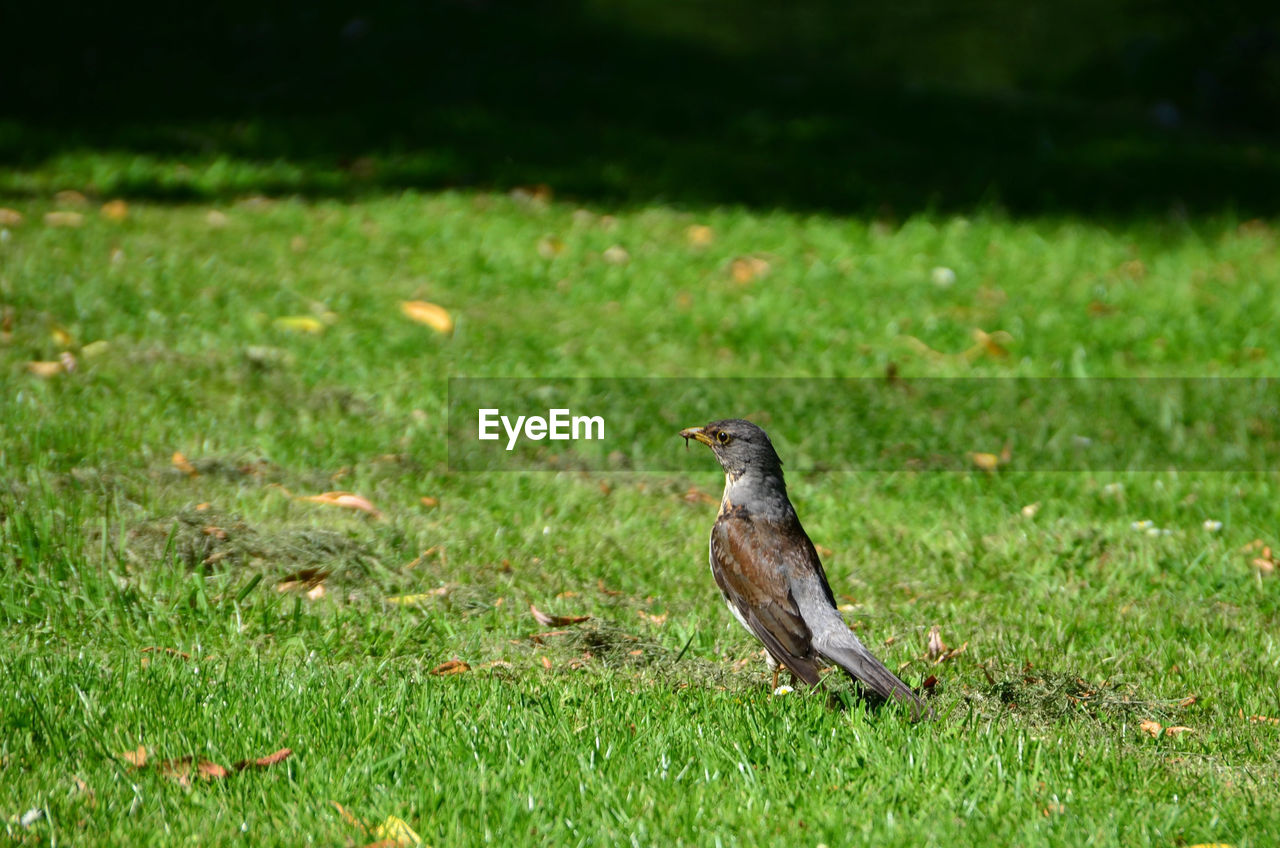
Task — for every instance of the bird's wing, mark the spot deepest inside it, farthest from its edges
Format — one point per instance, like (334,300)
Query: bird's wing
(749,570)
(832,638)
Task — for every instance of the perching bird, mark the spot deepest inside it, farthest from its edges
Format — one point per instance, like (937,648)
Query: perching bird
(770,573)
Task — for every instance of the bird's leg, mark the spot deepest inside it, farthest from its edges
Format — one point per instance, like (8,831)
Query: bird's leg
(776,670)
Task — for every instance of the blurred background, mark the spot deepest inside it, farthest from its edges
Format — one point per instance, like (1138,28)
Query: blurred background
(1104,108)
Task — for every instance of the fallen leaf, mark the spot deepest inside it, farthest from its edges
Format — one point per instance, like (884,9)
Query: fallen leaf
(214,531)
(988,344)
(136,758)
(211,771)
(10,217)
(115,210)
(398,832)
(435,317)
(70,197)
(1261,719)
(450,667)
(744,269)
(604,590)
(63,219)
(546,663)
(936,646)
(699,235)
(429,502)
(47,369)
(555,620)
(347,500)
(1178,730)
(653,619)
(300,324)
(265,762)
(985,461)
(1187,701)
(411,600)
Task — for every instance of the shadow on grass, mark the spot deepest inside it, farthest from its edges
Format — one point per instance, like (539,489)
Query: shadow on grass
(819,107)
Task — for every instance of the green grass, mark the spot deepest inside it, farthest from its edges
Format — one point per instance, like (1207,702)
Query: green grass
(644,730)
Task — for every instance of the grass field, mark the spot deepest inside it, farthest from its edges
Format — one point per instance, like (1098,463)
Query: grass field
(174,604)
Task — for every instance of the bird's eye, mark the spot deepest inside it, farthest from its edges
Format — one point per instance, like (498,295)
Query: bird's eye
(722,437)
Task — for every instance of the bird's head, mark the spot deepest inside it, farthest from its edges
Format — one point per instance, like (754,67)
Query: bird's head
(740,446)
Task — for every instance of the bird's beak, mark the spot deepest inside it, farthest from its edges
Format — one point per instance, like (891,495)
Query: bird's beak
(696,433)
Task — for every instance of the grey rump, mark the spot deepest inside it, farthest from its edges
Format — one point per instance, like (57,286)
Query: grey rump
(770,573)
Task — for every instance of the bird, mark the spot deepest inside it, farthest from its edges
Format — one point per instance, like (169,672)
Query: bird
(770,573)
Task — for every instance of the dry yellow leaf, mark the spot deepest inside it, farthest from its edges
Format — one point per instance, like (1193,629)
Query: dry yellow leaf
(411,600)
(47,369)
(347,500)
(10,217)
(136,758)
(1151,728)
(985,461)
(397,831)
(115,210)
(450,667)
(435,317)
(63,219)
(699,235)
(300,323)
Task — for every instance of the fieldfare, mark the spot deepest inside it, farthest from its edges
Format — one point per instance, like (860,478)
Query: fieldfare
(770,573)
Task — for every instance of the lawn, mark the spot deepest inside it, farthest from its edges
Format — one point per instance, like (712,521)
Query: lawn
(168,585)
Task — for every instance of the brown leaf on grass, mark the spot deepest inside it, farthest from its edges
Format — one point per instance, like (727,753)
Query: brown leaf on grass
(936,646)
(179,770)
(613,593)
(10,217)
(136,758)
(1151,728)
(346,500)
(450,667)
(265,762)
(214,531)
(538,637)
(115,210)
(546,663)
(429,502)
(1187,701)
(744,269)
(435,317)
(63,219)
(653,619)
(181,463)
(1178,730)
(555,620)
(988,344)
(1261,719)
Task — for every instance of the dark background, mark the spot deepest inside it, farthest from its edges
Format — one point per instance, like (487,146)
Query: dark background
(1091,107)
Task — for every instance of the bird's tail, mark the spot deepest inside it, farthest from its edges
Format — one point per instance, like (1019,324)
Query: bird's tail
(851,655)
